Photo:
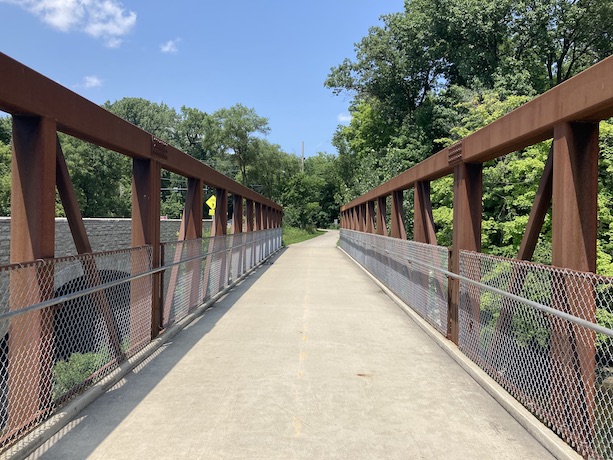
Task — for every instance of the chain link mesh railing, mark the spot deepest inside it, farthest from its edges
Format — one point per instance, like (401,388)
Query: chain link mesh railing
(390,260)
(543,333)
(64,324)
(67,323)
(197,270)
(544,345)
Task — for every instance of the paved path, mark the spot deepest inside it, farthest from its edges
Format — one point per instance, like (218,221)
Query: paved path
(307,359)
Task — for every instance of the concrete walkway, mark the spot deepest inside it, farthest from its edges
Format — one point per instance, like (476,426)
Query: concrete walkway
(307,359)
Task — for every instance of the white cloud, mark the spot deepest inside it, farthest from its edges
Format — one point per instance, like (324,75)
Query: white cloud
(344,118)
(106,20)
(88,82)
(91,81)
(170,46)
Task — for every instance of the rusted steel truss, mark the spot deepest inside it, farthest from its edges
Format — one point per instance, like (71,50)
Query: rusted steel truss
(41,108)
(568,114)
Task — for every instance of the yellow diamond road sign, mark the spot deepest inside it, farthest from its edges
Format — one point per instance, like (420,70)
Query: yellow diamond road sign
(212,202)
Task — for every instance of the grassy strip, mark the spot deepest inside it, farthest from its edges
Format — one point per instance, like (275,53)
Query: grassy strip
(292,235)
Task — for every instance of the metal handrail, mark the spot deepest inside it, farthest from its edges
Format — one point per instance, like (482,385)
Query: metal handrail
(574,319)
(110,284)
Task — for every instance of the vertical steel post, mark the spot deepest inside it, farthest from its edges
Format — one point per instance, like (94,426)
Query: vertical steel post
(397,224)
(249,222)
(370,217)
(192,217)
(382,216)
(191,228)
(220,220)
(220,226)
(250,228)
(258,216)
(237,234)
(574,236)
(467,207)
(146,184)
(30,357)
(237,215)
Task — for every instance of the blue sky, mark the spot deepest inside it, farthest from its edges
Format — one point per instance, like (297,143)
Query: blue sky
(271,55)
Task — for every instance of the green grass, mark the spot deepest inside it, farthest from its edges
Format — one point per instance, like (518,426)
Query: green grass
(292,235)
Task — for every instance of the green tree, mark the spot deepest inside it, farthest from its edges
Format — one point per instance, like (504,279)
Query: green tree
(412,76)
(5,179)
(269,175)
(102,179)
(6,128)
(157,119)
(301,201)
(239,129)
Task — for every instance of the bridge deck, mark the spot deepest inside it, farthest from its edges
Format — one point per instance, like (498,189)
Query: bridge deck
(308,358)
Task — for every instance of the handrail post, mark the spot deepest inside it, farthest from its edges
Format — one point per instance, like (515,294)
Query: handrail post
(423,221)
(574,237)
(398,230)
(370,217)
(467,207)
(237,233)
(220,226)
(146,184)
(32,237)
(382,215)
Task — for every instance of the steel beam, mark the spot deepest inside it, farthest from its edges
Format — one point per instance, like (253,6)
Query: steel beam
(397,225)
(258,217)
(30,357)
(587,96)
(146,181)
(423,222)
(220,220)
(382,215)
(575,193)
(370,217)
(26,92)
(68,197)
(540,207)
(249,217)
(467,208)
(574,236)
(192,220)
(237,215)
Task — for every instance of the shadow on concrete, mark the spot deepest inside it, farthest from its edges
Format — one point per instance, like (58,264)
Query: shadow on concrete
(90,428)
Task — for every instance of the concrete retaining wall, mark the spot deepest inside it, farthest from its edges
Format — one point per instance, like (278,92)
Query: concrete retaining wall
(104,235)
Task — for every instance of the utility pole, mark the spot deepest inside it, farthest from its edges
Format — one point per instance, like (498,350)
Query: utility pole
(303,156)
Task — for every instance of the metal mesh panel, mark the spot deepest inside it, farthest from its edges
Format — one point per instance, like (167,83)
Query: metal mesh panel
(197,270)
(182,289)
(237,258)
(64,324)
(399,264)
(559,367)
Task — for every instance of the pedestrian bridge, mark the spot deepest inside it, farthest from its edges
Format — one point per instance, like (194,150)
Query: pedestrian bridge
(382,347)
(305,358)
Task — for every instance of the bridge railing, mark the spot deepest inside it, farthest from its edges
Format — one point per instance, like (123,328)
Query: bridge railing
(40,109)
(513,324)
(420,286)
(569,114)
(197,270)
(98,314)
(523,324)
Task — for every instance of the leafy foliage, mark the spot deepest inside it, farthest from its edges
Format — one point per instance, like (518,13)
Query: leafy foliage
(73,372)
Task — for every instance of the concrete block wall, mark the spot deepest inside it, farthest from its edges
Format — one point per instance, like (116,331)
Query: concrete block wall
(104,235)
